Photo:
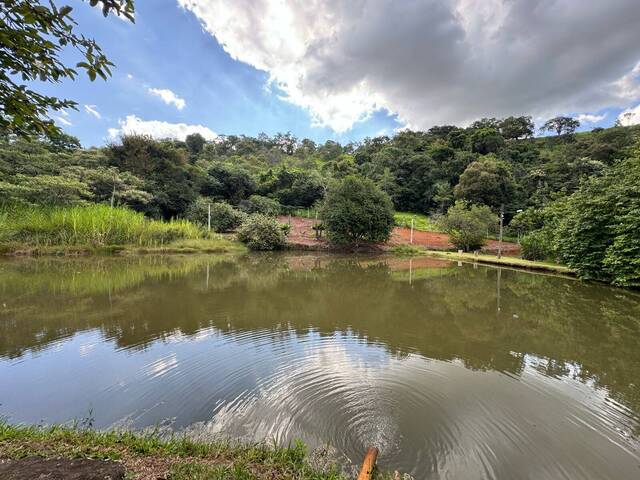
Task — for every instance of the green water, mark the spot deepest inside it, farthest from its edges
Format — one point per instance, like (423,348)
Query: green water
(453,371)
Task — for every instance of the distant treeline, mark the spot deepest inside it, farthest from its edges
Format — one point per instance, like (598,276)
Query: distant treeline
(495,162)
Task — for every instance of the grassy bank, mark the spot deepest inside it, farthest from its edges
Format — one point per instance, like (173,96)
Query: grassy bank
(177,458)
(421,222)
(504,261)
(97,228)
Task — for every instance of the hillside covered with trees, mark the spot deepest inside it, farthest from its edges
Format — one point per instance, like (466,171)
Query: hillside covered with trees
(544,185)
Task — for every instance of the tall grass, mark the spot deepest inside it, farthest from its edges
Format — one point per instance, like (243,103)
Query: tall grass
(89,225)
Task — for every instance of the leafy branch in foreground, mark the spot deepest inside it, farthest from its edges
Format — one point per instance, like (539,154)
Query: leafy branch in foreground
(32,37)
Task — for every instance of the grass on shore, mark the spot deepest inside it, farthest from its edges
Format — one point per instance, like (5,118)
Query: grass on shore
(176,458)
(88,229)
(421,222)
(505,261)
(94,224)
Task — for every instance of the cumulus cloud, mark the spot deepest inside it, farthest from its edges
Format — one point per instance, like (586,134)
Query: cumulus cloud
(591,118)
(158,129)
(168,97)
(434,61)
(91,110)
(630,116)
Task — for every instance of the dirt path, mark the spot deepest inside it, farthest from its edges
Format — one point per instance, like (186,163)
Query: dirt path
(302,235)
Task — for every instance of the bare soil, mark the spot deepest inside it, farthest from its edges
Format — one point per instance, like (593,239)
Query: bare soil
(60,469)
(303,236)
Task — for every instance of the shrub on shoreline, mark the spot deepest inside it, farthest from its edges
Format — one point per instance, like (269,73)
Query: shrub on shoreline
(355,210)
(467,224)
(261,232)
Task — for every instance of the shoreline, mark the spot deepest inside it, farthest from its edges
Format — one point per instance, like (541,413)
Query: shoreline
(148,456)
(220,245)
(512,262)
(227,245)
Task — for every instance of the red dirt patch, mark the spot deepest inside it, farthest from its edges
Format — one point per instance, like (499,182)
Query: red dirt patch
(440,241)
(303,236)
(302,233)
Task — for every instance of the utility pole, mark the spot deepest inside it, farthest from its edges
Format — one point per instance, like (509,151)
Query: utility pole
(501,225)
(209,220)
(412,222)
(113,192)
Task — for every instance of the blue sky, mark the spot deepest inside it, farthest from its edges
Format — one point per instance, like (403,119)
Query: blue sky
(167,49)
(342,74)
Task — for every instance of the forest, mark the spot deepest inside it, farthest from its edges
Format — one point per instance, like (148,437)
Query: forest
(571,197)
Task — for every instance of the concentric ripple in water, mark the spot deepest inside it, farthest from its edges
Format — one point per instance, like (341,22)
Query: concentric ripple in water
(452,371)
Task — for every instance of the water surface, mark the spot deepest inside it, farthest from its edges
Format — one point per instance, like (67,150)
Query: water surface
(454,371)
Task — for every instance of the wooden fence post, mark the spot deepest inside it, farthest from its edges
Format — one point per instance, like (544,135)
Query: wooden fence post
(368,464)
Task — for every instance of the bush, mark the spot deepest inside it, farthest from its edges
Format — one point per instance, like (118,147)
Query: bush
(286,228)
(355,210)
(261,232)
(224,218)
(467,224)
(260,204)
(527,221)
(536,246)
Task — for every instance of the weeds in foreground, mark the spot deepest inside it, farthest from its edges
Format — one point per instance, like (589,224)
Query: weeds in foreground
(178,457)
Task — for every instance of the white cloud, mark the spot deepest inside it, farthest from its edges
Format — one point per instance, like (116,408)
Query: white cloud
(630,116)
(628,86)
(434,61)
(591,118)
(91,110)
(168,97)
(129,76)
(63,118)
(64,121)
(158,129)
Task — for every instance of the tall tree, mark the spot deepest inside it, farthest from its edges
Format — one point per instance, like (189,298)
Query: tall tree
(487,181)
(561,125)
(486,140)
(195,143)
(33,35)
(517,127)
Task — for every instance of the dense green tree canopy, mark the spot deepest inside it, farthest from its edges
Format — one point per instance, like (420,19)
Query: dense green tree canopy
(33,36)
(598,230)
(561,125)
(486,140)
(419,171)
(487,181)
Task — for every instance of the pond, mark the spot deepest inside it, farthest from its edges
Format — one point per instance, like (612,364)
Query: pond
(452,370)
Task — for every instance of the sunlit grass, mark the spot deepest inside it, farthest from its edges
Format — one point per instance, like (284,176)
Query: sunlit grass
(504,261)
(185,458)
(95,225)
(421,221)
